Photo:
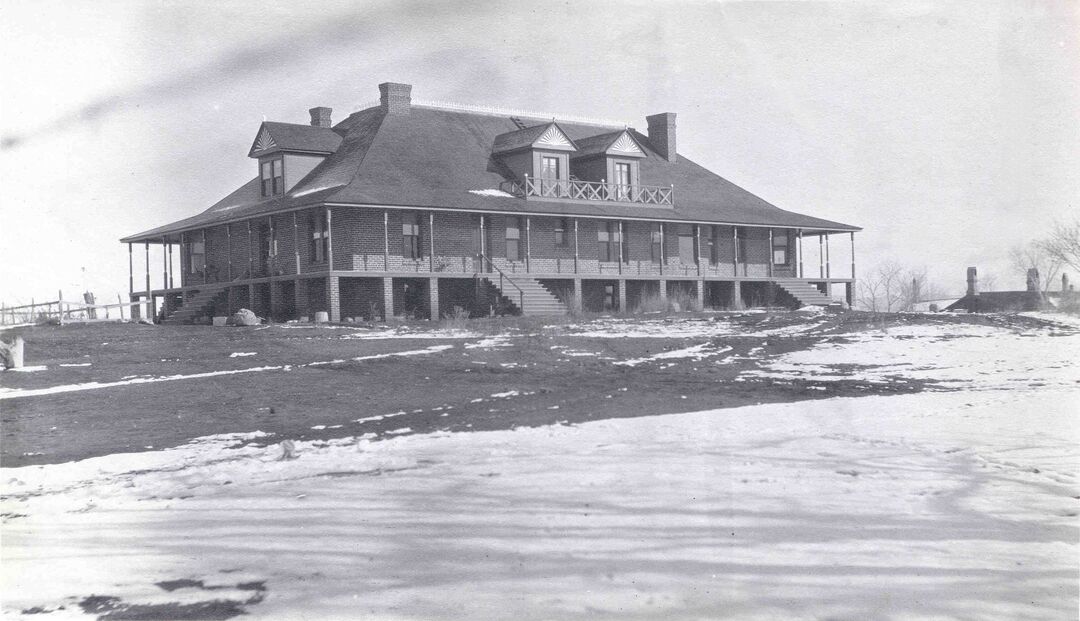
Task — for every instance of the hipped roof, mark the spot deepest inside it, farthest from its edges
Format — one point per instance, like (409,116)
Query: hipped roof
(435,158)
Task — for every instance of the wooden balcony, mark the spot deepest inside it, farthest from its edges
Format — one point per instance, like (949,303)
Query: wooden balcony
(575,190)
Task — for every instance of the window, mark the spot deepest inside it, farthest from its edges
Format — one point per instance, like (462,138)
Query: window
(410,236)
(513,238)
(561,224)
(687,254)
(623,179)
(549,176)
(656,245)
(780,248)
(549,167)
(273,179)
(197,254)
(608,239)
(320,238)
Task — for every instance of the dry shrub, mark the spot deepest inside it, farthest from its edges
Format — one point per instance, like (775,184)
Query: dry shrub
(456,319)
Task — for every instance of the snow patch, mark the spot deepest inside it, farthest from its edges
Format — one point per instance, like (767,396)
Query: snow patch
(492,193)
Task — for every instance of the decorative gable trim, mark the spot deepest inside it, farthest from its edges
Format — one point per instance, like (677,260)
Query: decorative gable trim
(554,138)
(625,145)
(263,142)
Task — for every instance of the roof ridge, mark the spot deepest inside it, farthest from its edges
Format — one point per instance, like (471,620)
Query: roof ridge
(518,112)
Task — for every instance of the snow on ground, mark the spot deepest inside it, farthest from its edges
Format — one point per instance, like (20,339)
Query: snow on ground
(695,352)
(950,355)
(242,354)
(958,504)
(674,327)
(29,369)
(1065,319)
(408,332)
(13,393)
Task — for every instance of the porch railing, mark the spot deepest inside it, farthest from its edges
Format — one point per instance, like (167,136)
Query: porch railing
(503,279)
(534,187)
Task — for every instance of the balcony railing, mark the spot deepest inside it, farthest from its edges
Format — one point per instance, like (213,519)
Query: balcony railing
(534,187)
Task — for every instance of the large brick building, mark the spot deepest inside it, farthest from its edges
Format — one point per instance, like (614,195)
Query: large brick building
(414,208)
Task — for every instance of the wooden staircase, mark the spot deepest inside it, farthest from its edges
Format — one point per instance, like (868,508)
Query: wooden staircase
(196,304)
(529,295)
(804,293)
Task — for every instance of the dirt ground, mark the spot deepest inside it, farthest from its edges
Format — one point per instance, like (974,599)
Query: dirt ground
(542,372)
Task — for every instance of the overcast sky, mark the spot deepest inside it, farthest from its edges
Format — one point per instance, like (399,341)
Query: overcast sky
(950,131)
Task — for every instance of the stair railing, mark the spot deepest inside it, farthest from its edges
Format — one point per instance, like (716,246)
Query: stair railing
(503,278)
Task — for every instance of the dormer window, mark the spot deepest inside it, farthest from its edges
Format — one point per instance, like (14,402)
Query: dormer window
(273,177)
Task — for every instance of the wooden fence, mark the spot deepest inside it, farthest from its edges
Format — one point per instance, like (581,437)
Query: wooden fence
(67,311)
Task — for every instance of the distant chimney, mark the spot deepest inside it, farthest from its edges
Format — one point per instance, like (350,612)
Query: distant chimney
(395,98)
(973,281)
(1033,279)
(320,117)
(662,134)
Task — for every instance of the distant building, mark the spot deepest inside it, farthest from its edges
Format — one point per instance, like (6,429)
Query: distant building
(1031,299)
(407,207)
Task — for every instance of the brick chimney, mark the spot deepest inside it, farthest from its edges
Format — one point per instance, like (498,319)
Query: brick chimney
(662,134)
(320,116)
(972,281)
(395,98)
(1033,281)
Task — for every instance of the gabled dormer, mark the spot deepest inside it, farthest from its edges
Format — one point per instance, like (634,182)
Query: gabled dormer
(287,152)
(612,157)
(540,152)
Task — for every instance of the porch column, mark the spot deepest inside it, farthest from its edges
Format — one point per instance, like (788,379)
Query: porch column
(697,248)
(663,290)
(296,241)
(800,255)
(433,298)
(578,285)
(386,244)
(329,243)
(228,247)
(528,244)
(147,246)
(333,298)
(576,302)
(770,252)
(735,302)
(853,255)
(699,290)
(164,264)
(131,270)
(821,256)
(170,266)
(622,305)
(388,297)
(663,260)
(431,244)
(204,256)
(735,251)
(149,297)
(271,246)
(483,244)
(251,262)
(828,270)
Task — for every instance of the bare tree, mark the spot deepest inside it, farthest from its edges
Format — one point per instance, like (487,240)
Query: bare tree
(1062,244)
(882,290)
(1033,256)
